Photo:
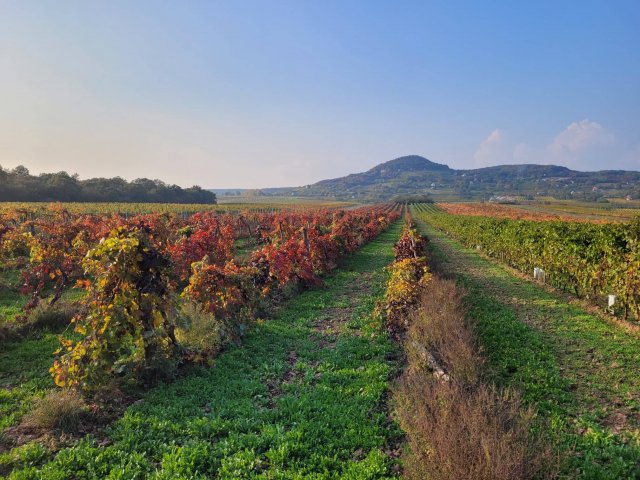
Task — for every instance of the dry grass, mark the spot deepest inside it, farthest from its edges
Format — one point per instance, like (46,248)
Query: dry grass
(457,431)
(43,317)
(440,325)
(52,317)
(61,410)
(464,427)
(199,330)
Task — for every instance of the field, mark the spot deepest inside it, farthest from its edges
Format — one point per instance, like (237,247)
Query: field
(614,209)
(564,210)
(253,204)
(318,340)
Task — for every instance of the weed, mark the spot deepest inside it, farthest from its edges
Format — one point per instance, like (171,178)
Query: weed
(52,317)
(60,409)
(464,426)
(470,432)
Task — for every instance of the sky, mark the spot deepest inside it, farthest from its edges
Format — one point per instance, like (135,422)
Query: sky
(250,94)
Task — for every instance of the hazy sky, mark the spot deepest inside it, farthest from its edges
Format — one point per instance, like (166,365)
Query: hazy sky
(281,93)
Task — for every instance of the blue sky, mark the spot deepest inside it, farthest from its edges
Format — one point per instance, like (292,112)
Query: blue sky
(279,93)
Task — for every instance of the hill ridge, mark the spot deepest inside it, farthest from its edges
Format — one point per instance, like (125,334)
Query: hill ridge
(415,174)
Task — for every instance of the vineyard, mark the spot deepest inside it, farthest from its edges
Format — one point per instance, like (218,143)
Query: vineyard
(140,297)
(53,249)
(511,212)
(314,341)
(615,210)
(33,210)
(574,366)
(590,261)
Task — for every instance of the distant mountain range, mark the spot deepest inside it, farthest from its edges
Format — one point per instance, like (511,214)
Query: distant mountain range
(414,174)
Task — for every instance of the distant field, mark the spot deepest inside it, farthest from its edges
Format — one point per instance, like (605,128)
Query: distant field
(618,210)
(234,204)
(284,200)
(559,210)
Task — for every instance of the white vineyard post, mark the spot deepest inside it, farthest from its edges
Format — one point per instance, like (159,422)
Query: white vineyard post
(611,303)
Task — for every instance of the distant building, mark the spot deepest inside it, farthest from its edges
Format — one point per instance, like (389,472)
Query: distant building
(503,199)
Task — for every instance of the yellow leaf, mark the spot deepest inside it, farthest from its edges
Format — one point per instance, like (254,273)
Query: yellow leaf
(157,319)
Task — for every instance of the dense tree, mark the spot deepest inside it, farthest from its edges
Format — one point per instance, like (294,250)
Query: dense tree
(19,185)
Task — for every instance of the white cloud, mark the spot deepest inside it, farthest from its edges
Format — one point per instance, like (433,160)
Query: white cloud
(493,149)
(580,137)
(582,145)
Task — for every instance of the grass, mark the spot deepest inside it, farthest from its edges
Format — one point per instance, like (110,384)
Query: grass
(303,397)
(11,301)
(61,410)
(243,249)
(461,425)
(24,374)
(580,371)
(25,358)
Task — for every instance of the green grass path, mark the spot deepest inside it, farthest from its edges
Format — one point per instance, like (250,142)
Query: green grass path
(302,397)
(582,372)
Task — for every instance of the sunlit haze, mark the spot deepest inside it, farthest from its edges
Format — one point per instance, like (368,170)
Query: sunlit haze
(259,94)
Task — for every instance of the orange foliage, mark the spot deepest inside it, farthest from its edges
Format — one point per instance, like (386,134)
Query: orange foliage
(513,213)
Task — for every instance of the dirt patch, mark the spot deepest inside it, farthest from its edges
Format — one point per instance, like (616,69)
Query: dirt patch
(292,373)
(274,386)
(334,318)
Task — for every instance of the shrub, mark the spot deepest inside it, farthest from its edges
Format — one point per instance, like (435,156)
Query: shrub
(407,279)
(228,293)
(199,332)
(61,409)
(52,317)
(410,245)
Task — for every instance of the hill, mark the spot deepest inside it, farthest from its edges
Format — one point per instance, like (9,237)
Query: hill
(414,174)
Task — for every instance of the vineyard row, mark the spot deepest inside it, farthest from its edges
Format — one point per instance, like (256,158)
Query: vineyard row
(591,261)
(139,271)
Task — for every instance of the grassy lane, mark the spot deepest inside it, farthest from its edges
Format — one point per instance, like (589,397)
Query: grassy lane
(303,397)
(11,301)
(25,362)
(24,373)
(582,372)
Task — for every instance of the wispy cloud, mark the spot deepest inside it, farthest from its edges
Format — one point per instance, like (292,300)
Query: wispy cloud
(492,149)
(579,137)
(583,144)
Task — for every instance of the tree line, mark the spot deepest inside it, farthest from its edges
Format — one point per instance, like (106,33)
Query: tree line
(19,185)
